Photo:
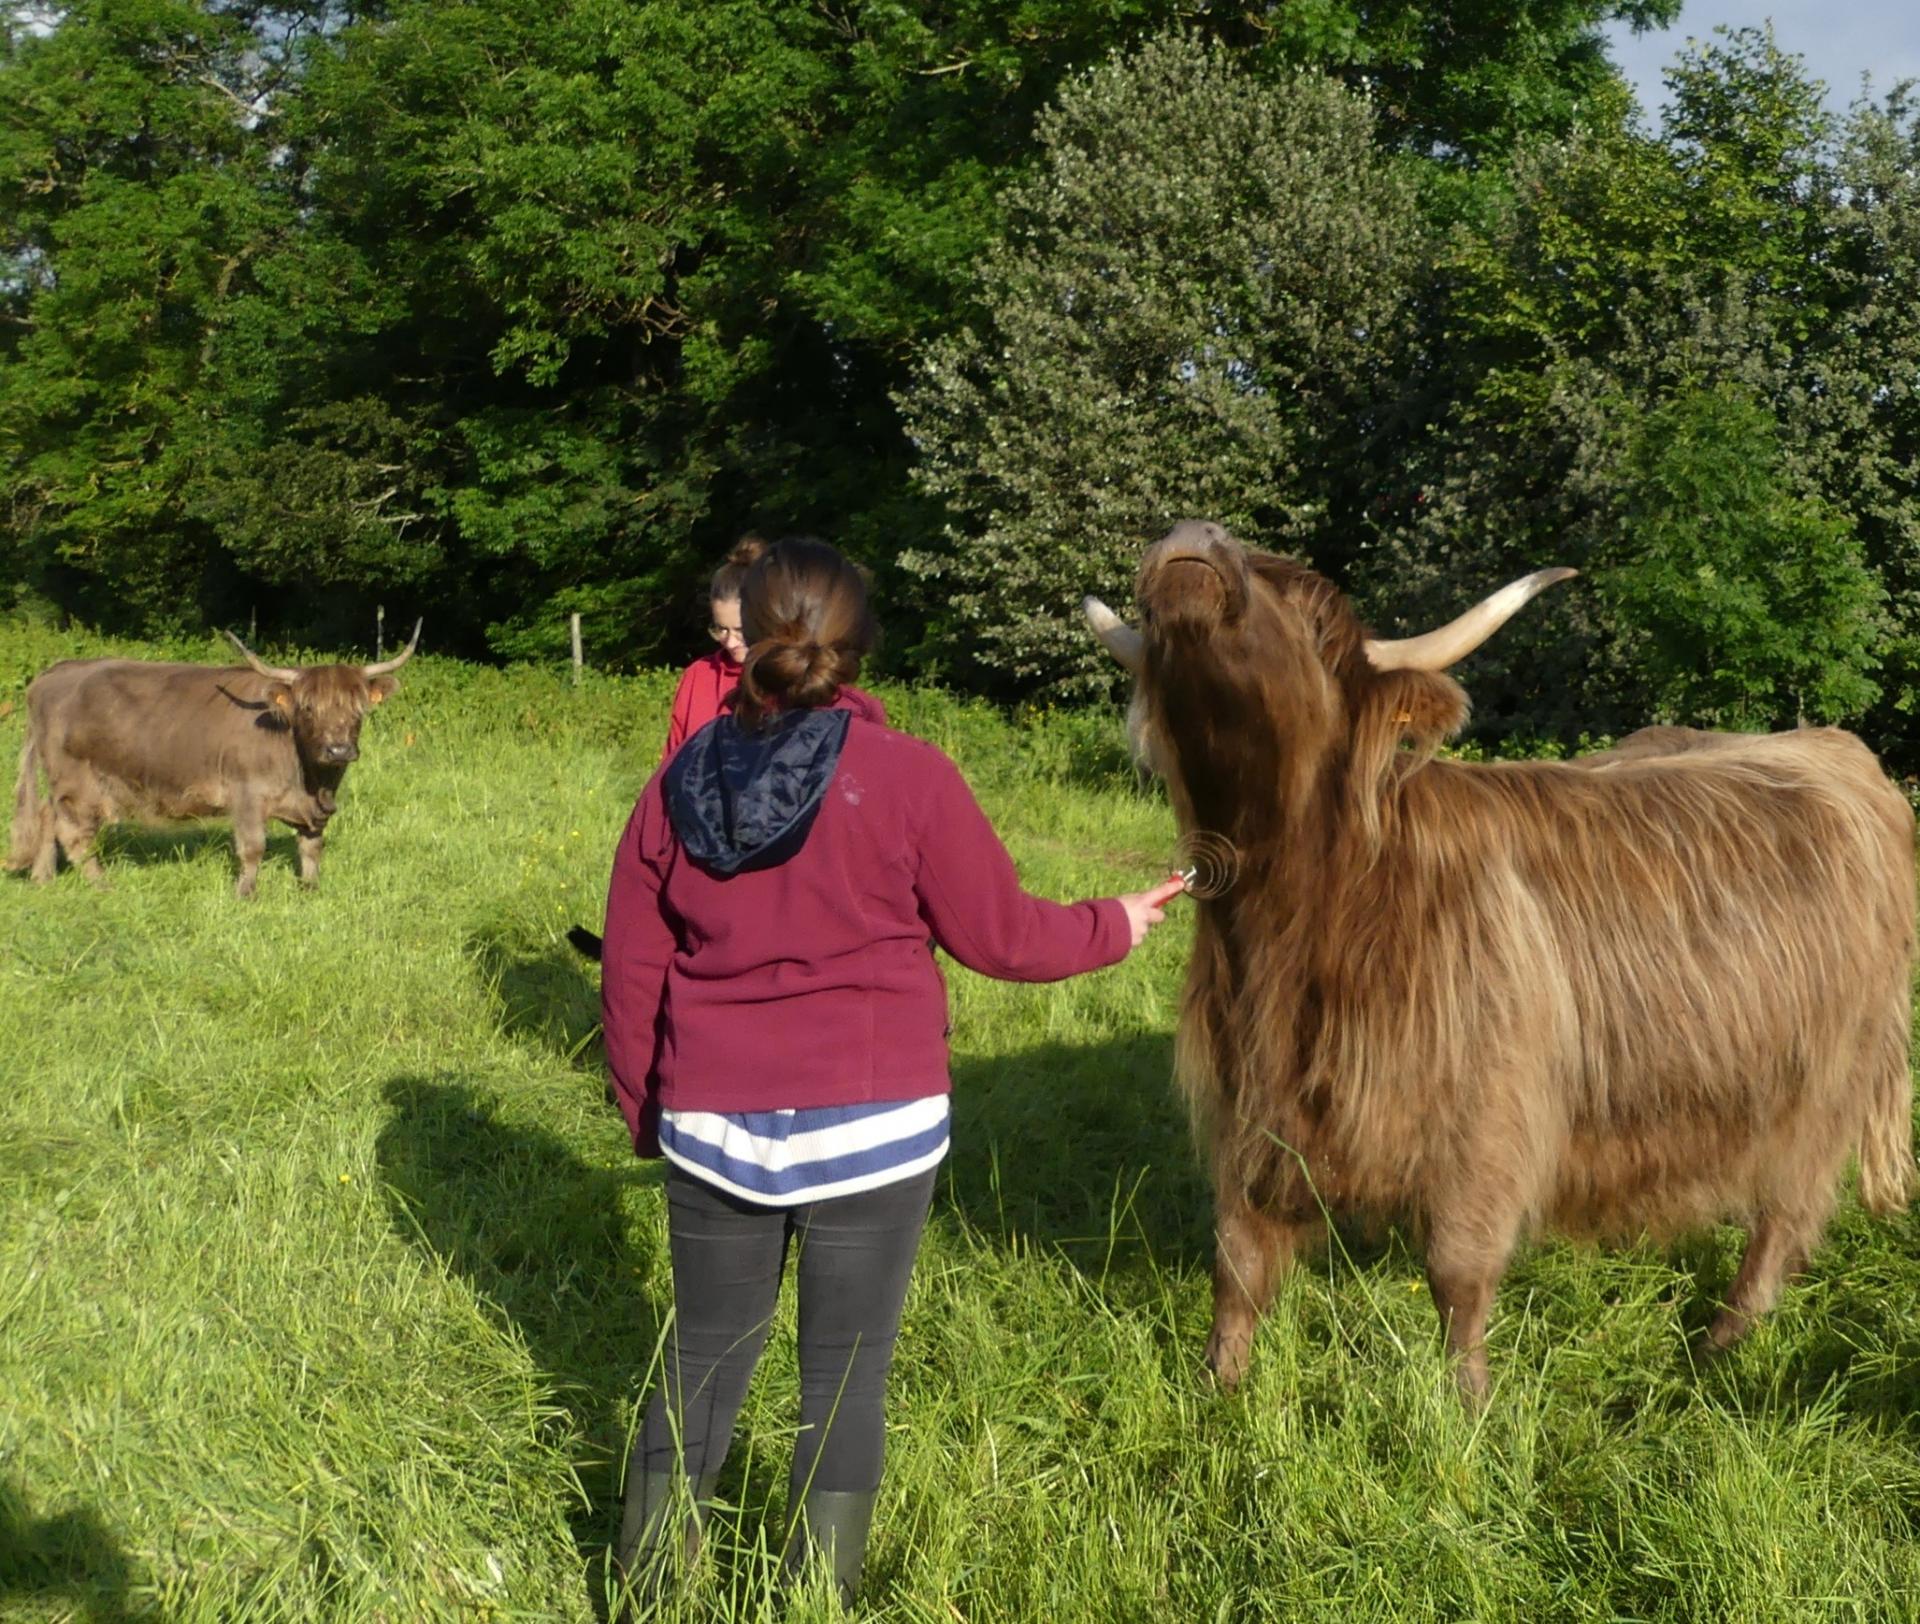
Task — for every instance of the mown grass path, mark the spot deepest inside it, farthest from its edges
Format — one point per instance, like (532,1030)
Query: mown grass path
(328,1286)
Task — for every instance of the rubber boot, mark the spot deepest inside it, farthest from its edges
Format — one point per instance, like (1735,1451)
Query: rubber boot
(659,1536)
(833,1526)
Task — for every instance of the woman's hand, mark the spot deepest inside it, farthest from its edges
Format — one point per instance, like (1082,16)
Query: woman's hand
(1145,909)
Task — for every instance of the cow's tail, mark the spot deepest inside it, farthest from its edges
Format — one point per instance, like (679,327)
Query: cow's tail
(32,812)
(1886,1136)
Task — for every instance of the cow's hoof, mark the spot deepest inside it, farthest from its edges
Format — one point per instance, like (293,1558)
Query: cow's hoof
(1227,1361)
(243,889)
(1728,1329)
(1472,1377)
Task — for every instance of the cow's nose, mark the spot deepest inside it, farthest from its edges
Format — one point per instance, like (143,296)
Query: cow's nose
(342,752)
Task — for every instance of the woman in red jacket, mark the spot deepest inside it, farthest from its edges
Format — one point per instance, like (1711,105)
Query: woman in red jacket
(706,684)
(776,1027)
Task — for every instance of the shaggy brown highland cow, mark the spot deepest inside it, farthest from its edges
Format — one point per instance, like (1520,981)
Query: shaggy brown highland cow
(138,741)
(1658,988)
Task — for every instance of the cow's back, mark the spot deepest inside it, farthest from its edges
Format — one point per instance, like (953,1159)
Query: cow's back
(1620,983)
(152,739)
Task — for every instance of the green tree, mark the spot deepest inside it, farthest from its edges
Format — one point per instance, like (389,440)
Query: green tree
(520,308)
(1195,309)
(133,194)
(1727,254)
(1746,604)
(1859,417)
(1464,82)
(653,267)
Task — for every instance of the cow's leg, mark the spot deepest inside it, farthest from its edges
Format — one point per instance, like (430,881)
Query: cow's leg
(1462,1274)
(1252,1250)
(1777,1247)
(310,841)
(75,824)
(249,845)
(46,853)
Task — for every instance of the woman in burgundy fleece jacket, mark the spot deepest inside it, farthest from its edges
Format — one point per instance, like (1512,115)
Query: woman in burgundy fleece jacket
(776,1027)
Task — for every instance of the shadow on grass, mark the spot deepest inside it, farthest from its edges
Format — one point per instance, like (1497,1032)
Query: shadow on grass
(1078,1149)
(151,845)
(544,1237)
(1083,1149)
(69,1560)
(144,844)
(1883,1388)
(1844,1339)
(548,994)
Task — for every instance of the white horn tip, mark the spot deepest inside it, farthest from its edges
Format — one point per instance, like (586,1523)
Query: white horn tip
(1099,616)
(1529,587)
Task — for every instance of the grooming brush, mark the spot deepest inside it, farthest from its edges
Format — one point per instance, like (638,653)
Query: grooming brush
(1208,863)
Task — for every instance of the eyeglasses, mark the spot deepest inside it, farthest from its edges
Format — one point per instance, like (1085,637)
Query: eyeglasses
(721,633)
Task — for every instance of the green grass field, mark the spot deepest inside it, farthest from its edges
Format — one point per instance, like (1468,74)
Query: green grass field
(328,1286)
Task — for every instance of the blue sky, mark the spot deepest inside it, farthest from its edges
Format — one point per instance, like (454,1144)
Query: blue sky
(1840,40)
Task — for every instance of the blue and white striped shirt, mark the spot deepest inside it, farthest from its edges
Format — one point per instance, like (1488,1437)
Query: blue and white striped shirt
(782,1158)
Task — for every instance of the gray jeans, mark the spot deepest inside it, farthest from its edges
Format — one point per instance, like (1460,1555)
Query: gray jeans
(855,1256)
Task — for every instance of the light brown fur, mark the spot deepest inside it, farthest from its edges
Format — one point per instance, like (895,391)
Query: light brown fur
(143,742)
(1657,988)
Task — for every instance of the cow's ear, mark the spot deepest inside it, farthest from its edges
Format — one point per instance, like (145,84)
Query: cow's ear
(1393,711)
(280,697)
(1427,706)
(380,687)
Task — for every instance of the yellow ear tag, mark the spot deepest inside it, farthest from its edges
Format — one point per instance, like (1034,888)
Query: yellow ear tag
(379,697)
(1403,716)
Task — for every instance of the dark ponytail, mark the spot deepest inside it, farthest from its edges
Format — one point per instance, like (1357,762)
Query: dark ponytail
(803,610)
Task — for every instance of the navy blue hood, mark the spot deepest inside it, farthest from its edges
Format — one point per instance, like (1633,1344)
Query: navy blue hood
(741,801)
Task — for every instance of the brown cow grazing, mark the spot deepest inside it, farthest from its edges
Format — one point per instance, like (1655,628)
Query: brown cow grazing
(136,741)
(1658,988)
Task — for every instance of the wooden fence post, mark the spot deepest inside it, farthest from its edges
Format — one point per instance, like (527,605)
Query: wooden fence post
(379,631)
(576,648)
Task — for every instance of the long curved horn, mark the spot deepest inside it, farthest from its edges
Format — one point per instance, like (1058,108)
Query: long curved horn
(1445,645)
(276,673)
(380,668)
(1116,636)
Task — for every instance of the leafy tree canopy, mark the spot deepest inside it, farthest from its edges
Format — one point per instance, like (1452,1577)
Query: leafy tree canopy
(510,309)
(1195,310)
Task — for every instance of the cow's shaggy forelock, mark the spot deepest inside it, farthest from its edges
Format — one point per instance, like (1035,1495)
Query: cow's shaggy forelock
(326,703)
(1281,693)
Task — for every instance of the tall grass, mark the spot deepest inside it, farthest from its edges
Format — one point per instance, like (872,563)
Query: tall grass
(328,1287)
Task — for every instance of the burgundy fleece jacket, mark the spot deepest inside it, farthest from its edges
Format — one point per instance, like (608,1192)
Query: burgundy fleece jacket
(813,982)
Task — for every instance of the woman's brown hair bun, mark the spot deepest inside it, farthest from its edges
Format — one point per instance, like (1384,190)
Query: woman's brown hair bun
(803,609)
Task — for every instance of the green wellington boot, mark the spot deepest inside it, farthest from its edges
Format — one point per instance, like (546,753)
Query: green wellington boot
(659,1536)
(833,1526)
